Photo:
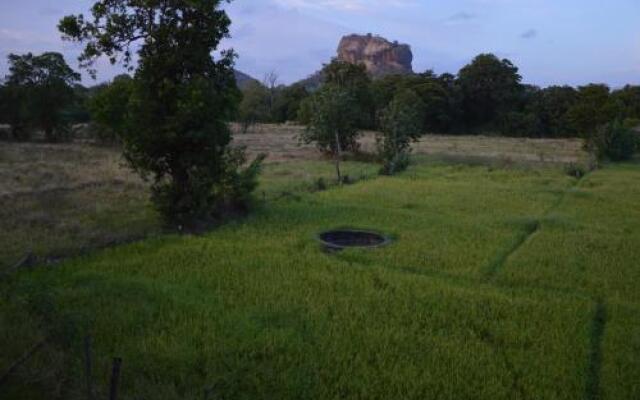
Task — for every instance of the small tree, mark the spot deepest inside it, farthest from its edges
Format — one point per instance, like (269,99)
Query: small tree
(354,79)
(177,129)
(333,122)
(39,88)
(254,106)
(270,82)
(401,123)
(614,141)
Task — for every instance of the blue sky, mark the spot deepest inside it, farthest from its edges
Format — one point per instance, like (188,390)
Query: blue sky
(552,41)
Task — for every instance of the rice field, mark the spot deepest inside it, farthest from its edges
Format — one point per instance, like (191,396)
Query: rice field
(500,283)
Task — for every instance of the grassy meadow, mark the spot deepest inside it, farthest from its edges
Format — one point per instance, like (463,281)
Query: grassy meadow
(501,282)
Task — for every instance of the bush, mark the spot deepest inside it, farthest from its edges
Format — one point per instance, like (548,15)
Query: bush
(575,170)
(401,122)
(614,141)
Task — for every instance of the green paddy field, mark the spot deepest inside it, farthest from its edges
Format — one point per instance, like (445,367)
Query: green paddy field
(500,283)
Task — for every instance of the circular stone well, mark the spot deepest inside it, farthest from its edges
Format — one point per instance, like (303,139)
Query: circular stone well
(348,238)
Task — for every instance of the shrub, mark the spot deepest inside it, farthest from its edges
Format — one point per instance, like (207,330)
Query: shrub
(575,170)
(401,122)
(613,141)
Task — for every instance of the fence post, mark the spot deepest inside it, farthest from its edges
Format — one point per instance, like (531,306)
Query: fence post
(115,378)
(87,365)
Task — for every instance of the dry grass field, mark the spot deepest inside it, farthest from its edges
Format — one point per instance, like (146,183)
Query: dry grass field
(282,143)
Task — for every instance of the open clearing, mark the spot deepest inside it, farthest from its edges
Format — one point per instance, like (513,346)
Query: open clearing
(500,283)
(282,144)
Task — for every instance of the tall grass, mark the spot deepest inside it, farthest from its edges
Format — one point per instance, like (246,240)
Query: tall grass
(257,309)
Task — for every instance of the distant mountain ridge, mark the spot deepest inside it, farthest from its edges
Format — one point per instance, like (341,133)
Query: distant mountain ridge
(243,79)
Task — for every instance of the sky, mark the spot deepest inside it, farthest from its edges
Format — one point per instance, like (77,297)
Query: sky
(553,42)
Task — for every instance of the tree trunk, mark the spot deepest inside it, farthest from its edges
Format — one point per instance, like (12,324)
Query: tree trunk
(338,154)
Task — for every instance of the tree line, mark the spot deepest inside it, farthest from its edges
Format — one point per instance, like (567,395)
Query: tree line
(487,96)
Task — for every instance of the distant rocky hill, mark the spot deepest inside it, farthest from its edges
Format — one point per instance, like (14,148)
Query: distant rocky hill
(243,79)
(380,56)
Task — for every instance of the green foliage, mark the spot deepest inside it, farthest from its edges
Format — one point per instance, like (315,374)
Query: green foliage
(592,109)
(487,97)
(627,101)
(550,109)
(109,107)
(14,111)
(176,130)
(254,106)
(333,120)
(305,112)
(38,90)
(490,86)
(333,123)
(353,79)
(288,102)
(613,141)
(401,123)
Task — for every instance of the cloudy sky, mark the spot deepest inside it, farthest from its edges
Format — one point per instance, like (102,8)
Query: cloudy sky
(552,41)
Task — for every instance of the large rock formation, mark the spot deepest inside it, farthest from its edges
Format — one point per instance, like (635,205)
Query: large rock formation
(380,56)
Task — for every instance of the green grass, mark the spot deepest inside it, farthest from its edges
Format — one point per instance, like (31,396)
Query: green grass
(499,284)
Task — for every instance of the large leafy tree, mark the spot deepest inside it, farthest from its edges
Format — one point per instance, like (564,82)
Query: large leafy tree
(182,98)
(38,89)
(490,87)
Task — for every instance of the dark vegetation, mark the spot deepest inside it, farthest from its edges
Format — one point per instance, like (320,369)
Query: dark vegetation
(172,117)
(38,95)
(486,97)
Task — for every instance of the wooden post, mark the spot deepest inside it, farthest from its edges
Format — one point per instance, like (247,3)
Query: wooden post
(87,367)
(115,378)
